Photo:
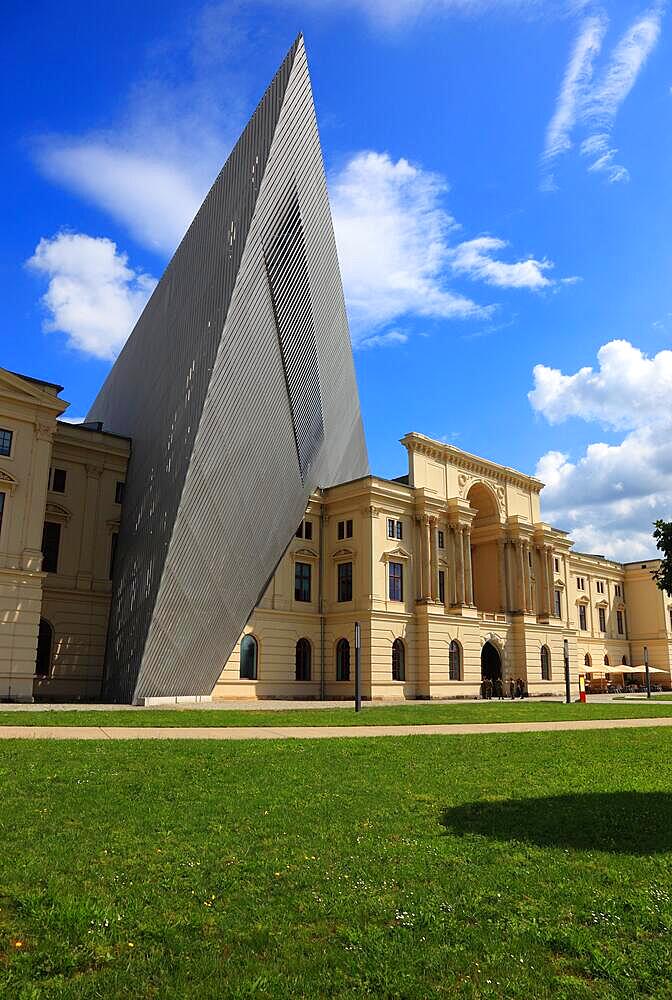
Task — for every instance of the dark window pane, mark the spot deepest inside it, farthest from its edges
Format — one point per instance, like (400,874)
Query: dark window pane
(390,527)
(302,581)
(2,509)
(299,531)
(58,481)
(5,442)
(303,657)
(545,664)
(348,529)
(119,492)
(308,530)
(454,665)
(441,539)
(113,553)
(442,586)
(345,581)
(343,660)
(558,603)
(582,617)
(248,658)
(45,642)
(341,530)
(396,582)
(51,540)
(400,530)
(398,661)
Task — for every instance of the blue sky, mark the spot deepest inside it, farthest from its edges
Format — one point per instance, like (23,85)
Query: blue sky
(500,183)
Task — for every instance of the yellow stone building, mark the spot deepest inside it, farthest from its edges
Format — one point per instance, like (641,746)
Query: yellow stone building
(450,570)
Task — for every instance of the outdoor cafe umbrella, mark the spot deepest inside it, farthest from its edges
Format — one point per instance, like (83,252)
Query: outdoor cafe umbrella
(642,670)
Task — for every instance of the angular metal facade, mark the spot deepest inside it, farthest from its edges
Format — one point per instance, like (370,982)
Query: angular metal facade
(237,387)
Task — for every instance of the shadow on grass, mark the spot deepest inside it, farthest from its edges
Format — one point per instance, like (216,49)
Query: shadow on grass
(617,822)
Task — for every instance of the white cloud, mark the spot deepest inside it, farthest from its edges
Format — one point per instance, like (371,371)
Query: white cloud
(392,234)
(609,497)
(594,104)
(474,258)
(392,13)
(389,339)
(93,296)
(628,389)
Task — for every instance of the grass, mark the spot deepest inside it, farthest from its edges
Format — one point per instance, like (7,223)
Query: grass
(373,715)
(524,866)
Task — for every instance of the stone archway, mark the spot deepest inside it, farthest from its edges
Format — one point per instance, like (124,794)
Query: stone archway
(486,531)
(491,662)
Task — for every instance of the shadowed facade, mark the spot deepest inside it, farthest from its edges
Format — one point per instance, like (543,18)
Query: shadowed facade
(237,388)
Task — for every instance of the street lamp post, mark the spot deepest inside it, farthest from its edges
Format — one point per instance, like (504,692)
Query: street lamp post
(358,667)
(568,690)
(648,675)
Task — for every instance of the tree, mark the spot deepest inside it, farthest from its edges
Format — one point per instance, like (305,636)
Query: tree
(663,536)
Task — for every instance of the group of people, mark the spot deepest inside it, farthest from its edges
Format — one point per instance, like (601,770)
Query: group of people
(514,688)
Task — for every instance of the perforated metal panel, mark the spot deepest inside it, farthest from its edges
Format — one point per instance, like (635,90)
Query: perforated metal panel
(237,388)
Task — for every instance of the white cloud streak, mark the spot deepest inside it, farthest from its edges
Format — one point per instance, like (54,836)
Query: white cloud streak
(93,296)
(474,258)
(611,494)
(594,104)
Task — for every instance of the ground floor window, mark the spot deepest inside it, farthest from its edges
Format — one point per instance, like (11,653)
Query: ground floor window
(545,663)
(455,661)
(303,658)
(343,660)
(249,656)
(45,643)
(398,661)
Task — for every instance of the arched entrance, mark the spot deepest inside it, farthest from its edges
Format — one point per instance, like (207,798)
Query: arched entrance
(491,662)
(486,531)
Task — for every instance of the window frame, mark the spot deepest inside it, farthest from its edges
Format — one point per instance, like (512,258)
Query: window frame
(440,538)
(47,566)
(442,586)
(62,481)
(301,578)
(454,658)
(303,660)
(343,660)
(583,618)
(398,660)
(249,639)
(602,619)
(3,496)
(557,602)
(395,577)
(50,657)
(308,530)
(6,431)
(344,575)
(545,658)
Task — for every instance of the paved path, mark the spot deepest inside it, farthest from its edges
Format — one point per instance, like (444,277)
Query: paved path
(308,732)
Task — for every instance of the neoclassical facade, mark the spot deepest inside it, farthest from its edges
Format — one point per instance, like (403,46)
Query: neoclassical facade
(450,571)
(453,575)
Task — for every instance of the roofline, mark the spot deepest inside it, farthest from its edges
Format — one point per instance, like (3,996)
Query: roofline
(36,381)
(467,458)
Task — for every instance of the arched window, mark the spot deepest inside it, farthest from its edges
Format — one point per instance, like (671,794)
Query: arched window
(45,642)
(545,663)
(587,661)
(398,661)
(624,661)
(303,658)
(606,660)
(248,658)
(455,661)
(343,660)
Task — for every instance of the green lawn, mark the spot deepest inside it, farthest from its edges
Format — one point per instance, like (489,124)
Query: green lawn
(523,866)
(419,713)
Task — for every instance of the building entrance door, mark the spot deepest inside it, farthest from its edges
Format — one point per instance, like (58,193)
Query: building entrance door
(491,662)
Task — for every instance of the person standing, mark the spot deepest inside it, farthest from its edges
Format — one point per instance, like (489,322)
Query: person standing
(499,688)
(512,688)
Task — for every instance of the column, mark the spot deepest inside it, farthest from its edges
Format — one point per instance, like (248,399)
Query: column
(508,561)
(460,564)
(543,566)
(549,564)
(420,561)
(520,551)
(527,576)
(452,568)
(428,571)
(434,550)
(469,578)
(501,570)
(85,568)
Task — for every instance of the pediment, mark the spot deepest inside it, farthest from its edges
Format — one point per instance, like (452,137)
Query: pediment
(602,604)
(342,553)
(57,512)
(7,481)
(306,552)
(398,553)
(23,391)
(582,600)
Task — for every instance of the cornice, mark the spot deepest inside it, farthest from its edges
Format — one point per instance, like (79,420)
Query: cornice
(469,463)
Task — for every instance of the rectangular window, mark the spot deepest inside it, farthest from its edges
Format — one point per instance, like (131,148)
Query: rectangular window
(308,531)
(556,565)
(341,530)
(58,480)
(51,540)
(557,600)
(442,586)
(396,581)
(299,531)
(302,581)
(348,529)
(603,619)
(2,497)
(345,581)
(582,618)
(580,583)
(440,539)
(390,527)
(119,492)
(113,552)
(5,442)
(619,622)
(600,586)
(617,590)
(400,529)
(2,509)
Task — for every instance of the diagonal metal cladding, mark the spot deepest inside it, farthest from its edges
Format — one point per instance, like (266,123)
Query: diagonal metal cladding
(237,387)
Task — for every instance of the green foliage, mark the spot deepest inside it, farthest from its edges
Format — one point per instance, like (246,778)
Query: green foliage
(416,868)
(663,536)
(416,714)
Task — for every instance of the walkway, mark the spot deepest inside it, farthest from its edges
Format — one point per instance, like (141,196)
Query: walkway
(310,732)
